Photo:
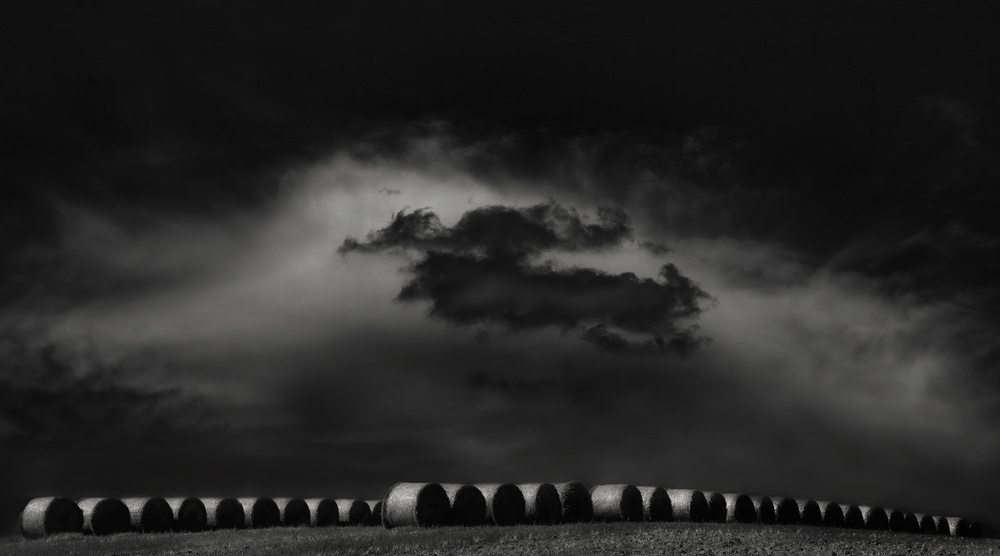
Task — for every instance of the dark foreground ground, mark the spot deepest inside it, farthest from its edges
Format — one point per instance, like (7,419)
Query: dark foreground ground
(585,539)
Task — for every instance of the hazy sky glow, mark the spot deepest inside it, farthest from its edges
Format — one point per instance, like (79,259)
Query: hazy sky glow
(197,297)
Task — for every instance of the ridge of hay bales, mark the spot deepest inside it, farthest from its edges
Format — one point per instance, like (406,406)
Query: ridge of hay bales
(353,512)
(655,504)
(910,523)
(189,514)
(224,513)
(422,504)
(260,513)
(504,503)
(957,526)
(541,503)
(786,512)
(50,515)
(809,512)
(928,525)
(853,518)
(292,512)
(739,508)
(688,505)
(104,516)
(897,520)
(323,512)
(833,515)
(764,508)
(875,518)
(150,515)
(468,505)
(376,513)
(619,502)
(575,502)
(975,529)
(716,507)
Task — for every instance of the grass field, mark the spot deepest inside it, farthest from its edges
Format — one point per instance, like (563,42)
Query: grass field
(587,539)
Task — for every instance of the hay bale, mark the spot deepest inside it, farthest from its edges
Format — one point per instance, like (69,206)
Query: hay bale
(616,502)
(975,529)
(764,508)
(224,513)
(688,505)
(422,504)
(739,508)
(323,512)
(104,516)
(353,512)
(260,513)
(833,516)
(655,504)
(292,512)
(716,507)
(928,525)
(541,503)
(504,503)
(875,518)
(575,502)
(897,520)
(957,526)
(942,526)
(809,512)
(376,513)
(468,505)
(853,518)
(50,515)
(150,515)
(910,523)
(189,514)
(786,512)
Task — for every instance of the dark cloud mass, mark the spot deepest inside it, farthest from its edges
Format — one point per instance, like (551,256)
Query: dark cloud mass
(485,270)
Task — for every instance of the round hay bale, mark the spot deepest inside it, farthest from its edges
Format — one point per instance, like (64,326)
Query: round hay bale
(323,512)
(942,526)
(104,516)
(504,503)
(616,503)
(875,518)
(833,515)
(897,520)
(786,512)
(260,513)
(655,504)
(716,507)
(423,504)
(853,518)
(688,505)
(910,523)
(957,526)
(224,513)
(292,512)
(975,529)
(740,508)
(928,525)
(809,512)
(50,515)
(575,502)
(189,514)
(353,512)
(468,505)
(541,503)
(150,515)
(764,508)
(376,512)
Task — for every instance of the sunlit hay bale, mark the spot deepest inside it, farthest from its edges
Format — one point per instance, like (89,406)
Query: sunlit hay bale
(541,503)
(504,503)
(655,504)
(376,512)
(50,515)
(897,520)
(875,518)
(910,523)
(353,512)
(957,526)
(575,502)
(323,512)
(809,512)
(224,513)
(928,525)
(260,513)
(292,512)
(616,502)
(740,509)
(975,529)
(150,515)
(422,504)
(468,505)
(764,508)
(786,512)
(853,518)
(104,516)
(189,514)
(688,505)
(716,507)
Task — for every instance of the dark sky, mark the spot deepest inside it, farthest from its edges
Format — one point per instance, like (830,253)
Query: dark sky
(313,250)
